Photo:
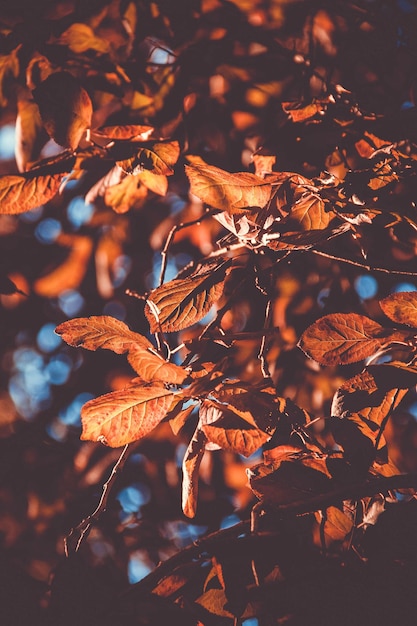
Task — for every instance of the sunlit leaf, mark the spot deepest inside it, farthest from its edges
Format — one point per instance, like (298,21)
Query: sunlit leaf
(30,135)
(107,332)
(182,302)
(309,211)
(335,525)
(300,114)
(226,191)
(65,107)
(23,193)
(80,37)
(263,164)
(127,194)
(159,158)
(154,182)
(130,131)
(338,339)
(369,144)
(383,175)
(124,416)
(401,307)
(190,468)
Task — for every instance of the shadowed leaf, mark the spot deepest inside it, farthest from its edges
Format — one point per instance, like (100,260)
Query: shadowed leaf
(123,416)
(130,131)
(226,191)
(80,37)
(190,469)
(338,339)
(65,108)
(309,211)
(159,158)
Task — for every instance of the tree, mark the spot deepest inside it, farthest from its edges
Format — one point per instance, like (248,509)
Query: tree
(217,201)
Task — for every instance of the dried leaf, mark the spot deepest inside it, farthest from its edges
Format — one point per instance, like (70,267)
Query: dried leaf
(65,107)
(367,146)
(309,211)
(154,182)
(127,194)
(23,193)
(123,416)
(111,334)
(130,131)
(382,176)
(338,339)
(182,302)
(159,158)
(71,272)
(263,164)
(80,37)
(334,523)
(101,331)
(190,468)
(303,113)
(225,191)
(30,135)
(401,307)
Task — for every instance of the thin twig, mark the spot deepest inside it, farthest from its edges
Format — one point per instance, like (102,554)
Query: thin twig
(262,348)
(369,268)
(84,527)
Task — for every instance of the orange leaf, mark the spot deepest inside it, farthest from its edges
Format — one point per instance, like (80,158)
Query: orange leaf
(123,416)
(111,334)
(158,158)
(335,524)
(338,339)
(182,302)
(309,211)
(128,193)
(21,193)
(130,131)
(190,467)
(401,307)
(226,191)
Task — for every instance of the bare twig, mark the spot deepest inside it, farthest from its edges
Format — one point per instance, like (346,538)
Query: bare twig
(84,527)
(369,268)
(262,348)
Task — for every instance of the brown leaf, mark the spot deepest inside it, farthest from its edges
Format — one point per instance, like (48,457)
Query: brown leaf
(101,331)
(71,272)
(9,66)
(80,37)
(159,158)
(65,108)
(401,307)
(305,240)
(303,113)
(367,146)
(227,430)
(127,194)
(309,211)
(226,191)
(23,193)
(123,416)
(154,182)
(130,131)
(182,302)
(383,175)
(263,164)
(334,523)
(338,339)
(111,334)
(190,468)
(30,135)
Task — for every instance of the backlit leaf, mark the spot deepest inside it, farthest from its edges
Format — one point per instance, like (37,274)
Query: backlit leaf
(159,158)
(107,332)
(80,37)
(182,302)
(65,107)
(334,523)
(154,182)
(130,131)
(30,135)
(127,194)
(401,307)
(100,331)
(23,193)
(309,211)
(190,468)
(338,339)
(123,416)
(303,113)
(226,191)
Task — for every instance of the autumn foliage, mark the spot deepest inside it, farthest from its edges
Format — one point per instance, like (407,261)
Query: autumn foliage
(247,279)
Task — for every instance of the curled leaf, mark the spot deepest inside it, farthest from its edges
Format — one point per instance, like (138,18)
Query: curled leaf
(130,131)
(190,467)
(123,416)
(65,107)
(225,191)
(159,158)
(80,37)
